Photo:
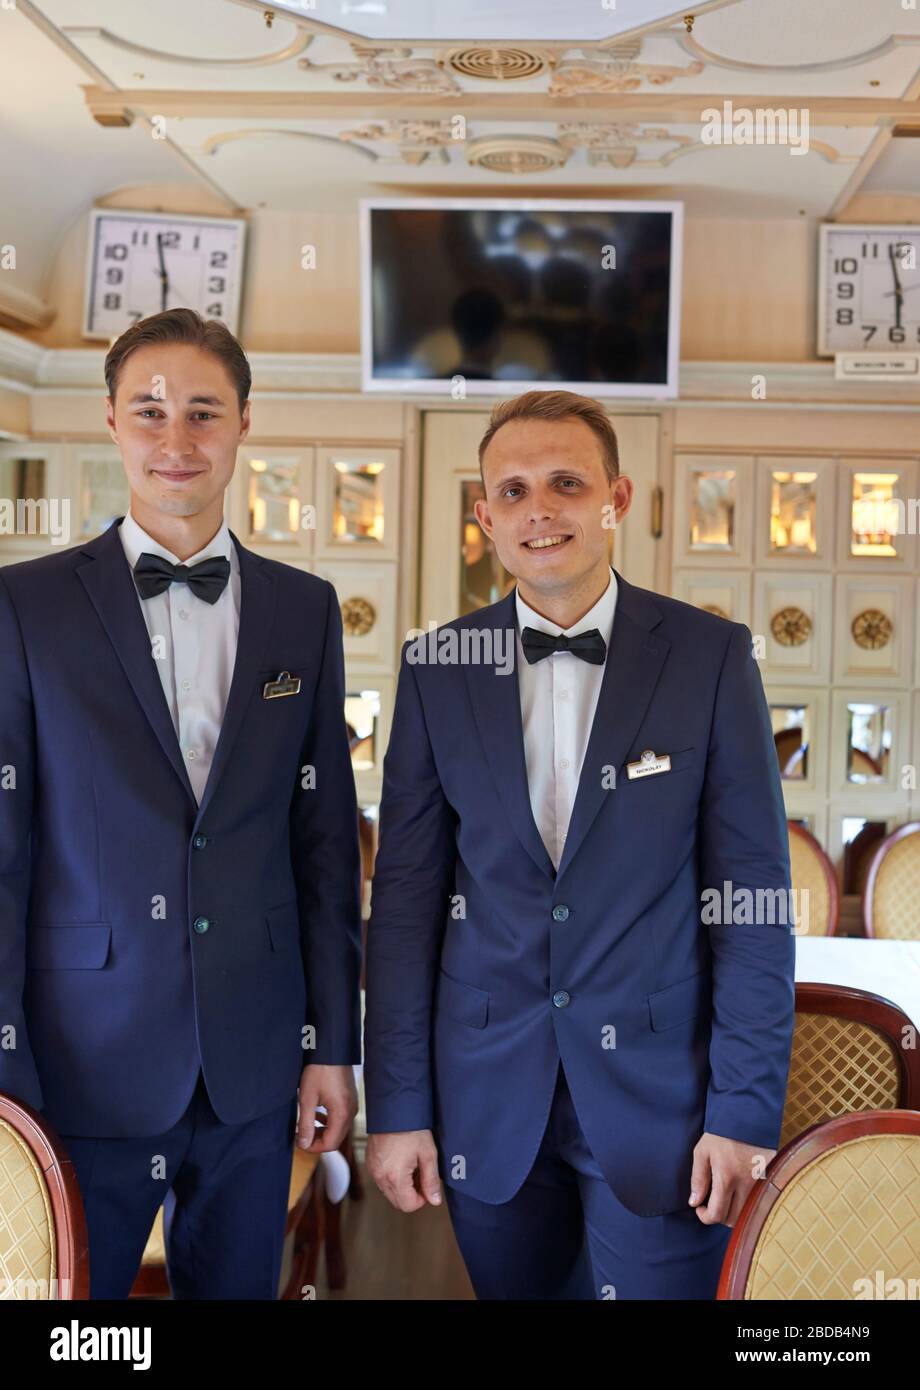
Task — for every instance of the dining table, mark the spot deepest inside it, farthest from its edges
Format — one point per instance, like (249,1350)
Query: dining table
(888,968)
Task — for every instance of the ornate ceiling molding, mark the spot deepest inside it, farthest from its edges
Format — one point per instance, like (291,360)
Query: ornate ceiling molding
(214,143)
(390,69)
(401,68)
(615,144)
(572,75)
(696,50)
(302,39)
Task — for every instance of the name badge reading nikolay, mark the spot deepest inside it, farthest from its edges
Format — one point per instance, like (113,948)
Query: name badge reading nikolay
(649,764)
(283,684)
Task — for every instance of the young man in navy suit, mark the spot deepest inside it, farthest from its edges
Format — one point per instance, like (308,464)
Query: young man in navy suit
(179,864)
(580,972)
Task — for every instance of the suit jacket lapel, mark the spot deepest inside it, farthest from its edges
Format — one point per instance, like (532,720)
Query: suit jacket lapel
(496,702)
(633,665)
(107,579)
(257,607)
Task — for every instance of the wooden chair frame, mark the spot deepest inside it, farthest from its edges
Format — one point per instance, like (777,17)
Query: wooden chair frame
(67,1215)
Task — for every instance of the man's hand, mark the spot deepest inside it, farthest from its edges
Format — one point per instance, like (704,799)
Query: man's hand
(333,1087)
(394,1160)
(726,1170)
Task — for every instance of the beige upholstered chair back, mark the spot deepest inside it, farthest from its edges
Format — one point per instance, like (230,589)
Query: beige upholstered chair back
(847,1055)
(891,898)
(43,1252)
(812,871)
(837,1216)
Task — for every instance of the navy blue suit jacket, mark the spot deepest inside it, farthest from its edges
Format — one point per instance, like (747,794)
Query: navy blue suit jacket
(113,1008)
(485,967)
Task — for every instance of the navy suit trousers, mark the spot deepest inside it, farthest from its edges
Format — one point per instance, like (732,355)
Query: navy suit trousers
(224,1190)
(564,1235)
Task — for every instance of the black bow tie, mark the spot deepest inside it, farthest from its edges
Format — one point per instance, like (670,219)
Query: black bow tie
(207,579)
(590,646)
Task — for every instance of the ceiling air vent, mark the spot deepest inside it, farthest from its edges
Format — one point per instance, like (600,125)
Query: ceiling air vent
(516,154)
(497,64)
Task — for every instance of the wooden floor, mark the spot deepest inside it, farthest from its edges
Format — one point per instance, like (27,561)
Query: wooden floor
(398,1255)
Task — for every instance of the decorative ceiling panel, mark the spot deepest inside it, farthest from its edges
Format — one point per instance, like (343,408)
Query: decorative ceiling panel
(388,20)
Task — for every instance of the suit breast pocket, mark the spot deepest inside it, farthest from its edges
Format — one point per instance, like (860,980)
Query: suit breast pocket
(681,761)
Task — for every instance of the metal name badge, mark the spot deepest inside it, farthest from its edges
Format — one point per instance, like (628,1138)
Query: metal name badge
(283,684)
(649,764)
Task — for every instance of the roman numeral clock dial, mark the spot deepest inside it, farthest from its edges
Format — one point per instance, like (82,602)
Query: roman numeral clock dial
(139,263)
(869,291)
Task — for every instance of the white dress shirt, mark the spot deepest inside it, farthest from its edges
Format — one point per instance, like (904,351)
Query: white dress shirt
(194,644)
(558,700)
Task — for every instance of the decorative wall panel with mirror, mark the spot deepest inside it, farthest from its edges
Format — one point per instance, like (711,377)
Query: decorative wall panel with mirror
(275,503)
(878,502)
(799,716)
(870,745)
(832,570)
(357,501)
(30,473)
(795,512)
(713,510)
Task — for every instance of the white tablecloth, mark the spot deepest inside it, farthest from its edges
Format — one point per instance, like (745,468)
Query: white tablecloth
(888,968)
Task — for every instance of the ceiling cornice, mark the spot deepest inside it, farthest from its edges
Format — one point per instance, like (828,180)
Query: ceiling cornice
(521,106)
(27,367)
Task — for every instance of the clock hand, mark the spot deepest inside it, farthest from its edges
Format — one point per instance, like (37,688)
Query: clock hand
(164,278)
(898,292)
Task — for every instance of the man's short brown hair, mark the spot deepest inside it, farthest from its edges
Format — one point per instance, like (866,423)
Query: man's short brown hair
(181,326)
(557,405)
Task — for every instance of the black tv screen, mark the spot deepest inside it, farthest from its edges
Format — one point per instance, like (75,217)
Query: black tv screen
(506,296)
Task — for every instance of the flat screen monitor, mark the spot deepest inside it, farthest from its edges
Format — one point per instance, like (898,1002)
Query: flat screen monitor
(487,295)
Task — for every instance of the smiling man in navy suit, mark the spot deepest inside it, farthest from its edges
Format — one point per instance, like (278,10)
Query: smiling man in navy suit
(558,1017)
(179,865)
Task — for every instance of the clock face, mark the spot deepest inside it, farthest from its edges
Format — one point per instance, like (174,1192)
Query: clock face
(869,296)
(141,263)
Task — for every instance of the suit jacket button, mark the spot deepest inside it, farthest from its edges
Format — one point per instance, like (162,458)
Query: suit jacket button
(561,998)
(200,841)
(560,913)
(201,924)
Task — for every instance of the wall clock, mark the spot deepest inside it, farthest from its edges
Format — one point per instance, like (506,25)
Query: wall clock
(868,289)
(141,262)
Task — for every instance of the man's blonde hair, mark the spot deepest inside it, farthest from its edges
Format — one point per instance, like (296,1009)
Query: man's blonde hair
(557,405)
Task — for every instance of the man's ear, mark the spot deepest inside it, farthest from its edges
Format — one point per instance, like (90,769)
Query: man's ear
(483,515)
(245,421)
(110,417)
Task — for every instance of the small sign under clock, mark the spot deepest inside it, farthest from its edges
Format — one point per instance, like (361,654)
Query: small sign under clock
(869,289)
(139,263)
